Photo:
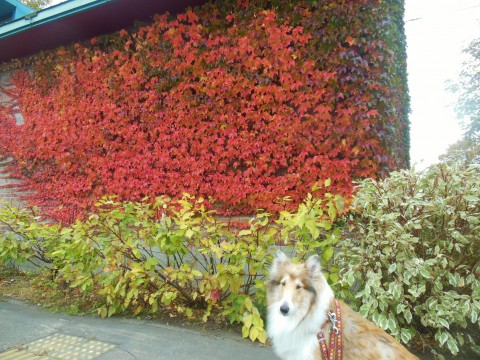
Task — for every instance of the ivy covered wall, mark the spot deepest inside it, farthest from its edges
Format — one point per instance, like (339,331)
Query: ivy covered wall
(246,102)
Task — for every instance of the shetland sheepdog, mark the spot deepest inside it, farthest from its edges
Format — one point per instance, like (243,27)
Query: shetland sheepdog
(299,299)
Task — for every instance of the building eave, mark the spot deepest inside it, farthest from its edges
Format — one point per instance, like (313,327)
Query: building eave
(78,20)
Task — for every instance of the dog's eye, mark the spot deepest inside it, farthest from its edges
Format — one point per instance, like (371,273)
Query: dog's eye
(299,286)
(283,283)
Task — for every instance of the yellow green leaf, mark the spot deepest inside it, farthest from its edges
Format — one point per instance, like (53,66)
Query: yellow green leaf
(248,303)
(254,333)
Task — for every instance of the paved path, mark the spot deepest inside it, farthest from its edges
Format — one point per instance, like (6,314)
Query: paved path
(43,335)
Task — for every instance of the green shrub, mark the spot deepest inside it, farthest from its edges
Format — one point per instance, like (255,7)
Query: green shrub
(23,238)
(173,255)
(414,256)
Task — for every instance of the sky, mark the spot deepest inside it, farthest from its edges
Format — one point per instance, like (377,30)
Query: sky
(437,31)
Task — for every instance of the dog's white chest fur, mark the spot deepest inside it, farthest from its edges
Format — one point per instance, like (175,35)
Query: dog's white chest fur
(294,340)
(295,346)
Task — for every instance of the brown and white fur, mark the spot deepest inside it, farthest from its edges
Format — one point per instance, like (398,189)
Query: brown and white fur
(299,299)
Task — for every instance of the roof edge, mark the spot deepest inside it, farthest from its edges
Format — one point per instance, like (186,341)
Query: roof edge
(38,18)
(19,5)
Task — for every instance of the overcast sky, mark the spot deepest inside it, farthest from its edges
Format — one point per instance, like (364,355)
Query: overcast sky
(437,32)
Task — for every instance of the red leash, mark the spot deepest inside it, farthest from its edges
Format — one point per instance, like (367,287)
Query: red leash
(335,335)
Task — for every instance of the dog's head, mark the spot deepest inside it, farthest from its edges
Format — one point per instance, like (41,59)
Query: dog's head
(293,289)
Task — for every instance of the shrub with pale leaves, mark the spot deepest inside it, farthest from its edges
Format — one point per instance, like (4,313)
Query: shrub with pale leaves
(413,259)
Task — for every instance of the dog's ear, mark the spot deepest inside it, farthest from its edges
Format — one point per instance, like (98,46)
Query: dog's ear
(279,260)
(314,265)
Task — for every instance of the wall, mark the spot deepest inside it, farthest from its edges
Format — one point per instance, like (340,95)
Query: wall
(8,191)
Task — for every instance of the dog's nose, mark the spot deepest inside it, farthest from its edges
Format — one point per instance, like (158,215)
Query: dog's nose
(284,309)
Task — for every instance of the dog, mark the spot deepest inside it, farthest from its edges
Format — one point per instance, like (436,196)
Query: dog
(299,301)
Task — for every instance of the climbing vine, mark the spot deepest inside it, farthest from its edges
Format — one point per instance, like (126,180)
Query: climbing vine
(244,102)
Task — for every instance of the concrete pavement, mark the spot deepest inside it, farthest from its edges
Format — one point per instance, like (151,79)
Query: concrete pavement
(30,332)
